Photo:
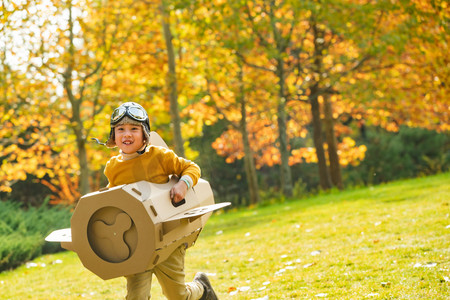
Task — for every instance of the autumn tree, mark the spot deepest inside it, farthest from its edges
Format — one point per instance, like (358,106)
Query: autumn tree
(27,130)
(77,58)
(315,50)
(410,86)
(275,39)
(167,68)
(236,113)
(224,87)
(273,34)
(234,33)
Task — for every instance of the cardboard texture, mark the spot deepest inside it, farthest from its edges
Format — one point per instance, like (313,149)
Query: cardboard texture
(130,228)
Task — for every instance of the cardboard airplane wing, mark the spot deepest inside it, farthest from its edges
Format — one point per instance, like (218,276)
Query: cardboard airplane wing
(198,211)
(129,229)
(61,235)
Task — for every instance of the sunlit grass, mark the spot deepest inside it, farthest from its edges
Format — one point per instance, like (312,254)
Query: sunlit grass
(385,242)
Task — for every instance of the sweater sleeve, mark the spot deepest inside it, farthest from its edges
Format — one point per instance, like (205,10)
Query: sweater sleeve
(181,166)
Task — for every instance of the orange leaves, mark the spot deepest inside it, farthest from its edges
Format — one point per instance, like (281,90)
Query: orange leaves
(410,86)
(32,142)
(349,153)
(64,187)
(306,154)
(270,156)
(229,144)
(198,114)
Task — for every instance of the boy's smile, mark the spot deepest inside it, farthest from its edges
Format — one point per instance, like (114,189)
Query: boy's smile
(129,138)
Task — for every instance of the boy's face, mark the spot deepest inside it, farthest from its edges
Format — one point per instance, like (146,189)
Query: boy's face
(129,138)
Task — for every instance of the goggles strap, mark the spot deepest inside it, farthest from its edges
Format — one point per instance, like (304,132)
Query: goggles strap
(98,142)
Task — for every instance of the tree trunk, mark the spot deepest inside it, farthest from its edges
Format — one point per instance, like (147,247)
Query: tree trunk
(324,176)
(172,82)
(75,120)
(252,181)
(335,168)
(325,180)
(84,166)
(79,131)
(285,169)
(249,162)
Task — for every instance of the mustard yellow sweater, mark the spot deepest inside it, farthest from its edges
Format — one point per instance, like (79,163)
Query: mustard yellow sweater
(155,165)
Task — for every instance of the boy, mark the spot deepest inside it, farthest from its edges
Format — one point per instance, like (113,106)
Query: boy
(138,160)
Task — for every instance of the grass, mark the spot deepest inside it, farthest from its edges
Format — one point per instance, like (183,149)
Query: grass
(385,242)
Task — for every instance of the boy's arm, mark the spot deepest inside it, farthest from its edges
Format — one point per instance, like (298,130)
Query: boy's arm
(189,173)
(189,178)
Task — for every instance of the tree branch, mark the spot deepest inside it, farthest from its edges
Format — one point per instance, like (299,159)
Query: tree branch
(264,42)
(253,65)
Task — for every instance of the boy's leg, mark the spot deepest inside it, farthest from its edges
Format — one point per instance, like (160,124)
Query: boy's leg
(170,274)
(138,286)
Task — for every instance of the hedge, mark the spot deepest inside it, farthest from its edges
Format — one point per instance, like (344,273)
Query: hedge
(22,231)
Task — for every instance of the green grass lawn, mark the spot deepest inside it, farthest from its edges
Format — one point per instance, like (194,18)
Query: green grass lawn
(384,242)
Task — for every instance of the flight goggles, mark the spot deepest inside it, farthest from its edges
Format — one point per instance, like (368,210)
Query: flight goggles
(135,112)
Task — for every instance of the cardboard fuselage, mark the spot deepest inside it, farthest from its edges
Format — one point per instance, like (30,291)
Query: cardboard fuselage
(130,228)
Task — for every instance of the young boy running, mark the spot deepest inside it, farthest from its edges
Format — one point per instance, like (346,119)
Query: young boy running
(139,160)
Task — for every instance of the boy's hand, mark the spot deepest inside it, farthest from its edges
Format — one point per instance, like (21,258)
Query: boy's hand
(178,191)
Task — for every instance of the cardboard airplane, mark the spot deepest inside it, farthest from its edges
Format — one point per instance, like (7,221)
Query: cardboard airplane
(130,228)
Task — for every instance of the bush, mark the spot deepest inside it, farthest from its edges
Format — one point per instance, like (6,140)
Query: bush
(408,153)
(16,249)
(22,231)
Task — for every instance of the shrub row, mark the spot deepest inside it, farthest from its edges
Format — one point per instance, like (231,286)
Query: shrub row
(408,153)
(22,231)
